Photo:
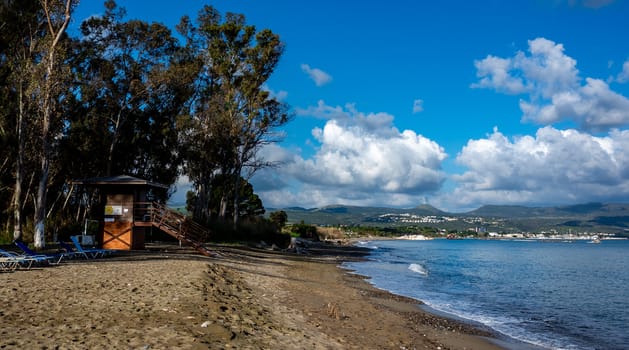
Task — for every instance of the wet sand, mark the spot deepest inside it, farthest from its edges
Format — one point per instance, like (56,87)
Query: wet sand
(244,299)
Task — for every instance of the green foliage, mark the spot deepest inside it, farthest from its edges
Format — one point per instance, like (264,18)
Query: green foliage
(232,115)
(305,231)
(249,204)
(279,218)
(133,99)
(253,230)
(131,89)
(5,237)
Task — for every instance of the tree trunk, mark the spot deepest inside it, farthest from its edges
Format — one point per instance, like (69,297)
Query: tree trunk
(201,211)
(114,141)
(236,199)
(19,170)
(222,212)
(40,204)
(47,104)
(42,189)
(17,212)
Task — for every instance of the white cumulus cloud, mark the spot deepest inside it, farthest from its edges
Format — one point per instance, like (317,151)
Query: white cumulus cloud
(494,73)
(319,77)
(278,95)
(555,166)
(360,159)
(418,106)
(593,106)
(555,90)
(623,77)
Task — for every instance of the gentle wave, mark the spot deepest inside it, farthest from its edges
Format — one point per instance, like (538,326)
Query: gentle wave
(366,243)
(418,268)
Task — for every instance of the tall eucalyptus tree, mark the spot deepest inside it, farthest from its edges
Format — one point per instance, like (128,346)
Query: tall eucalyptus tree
(22,26)
(133,83)
(49,94)
(233,115)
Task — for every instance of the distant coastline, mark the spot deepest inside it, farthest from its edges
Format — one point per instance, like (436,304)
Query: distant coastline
(603,220)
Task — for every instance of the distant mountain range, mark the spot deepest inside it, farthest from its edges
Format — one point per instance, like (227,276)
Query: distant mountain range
(587,209)
(340,214)
(588,217)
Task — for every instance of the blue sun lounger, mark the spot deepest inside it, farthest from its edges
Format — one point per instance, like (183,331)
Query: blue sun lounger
(52,258)
(8,264)
(22,261)
(70,251)
(92,252)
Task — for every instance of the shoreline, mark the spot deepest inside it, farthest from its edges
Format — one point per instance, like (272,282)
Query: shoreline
(247,298)
(397,319)
(494,336)
(468,326)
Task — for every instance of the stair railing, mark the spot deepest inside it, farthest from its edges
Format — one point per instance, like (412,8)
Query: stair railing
(179,226)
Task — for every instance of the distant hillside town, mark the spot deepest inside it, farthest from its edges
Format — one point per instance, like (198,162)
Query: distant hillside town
(584,221)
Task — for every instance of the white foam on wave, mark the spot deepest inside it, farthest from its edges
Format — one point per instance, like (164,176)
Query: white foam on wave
(418,268)
(508,326)
(366,244)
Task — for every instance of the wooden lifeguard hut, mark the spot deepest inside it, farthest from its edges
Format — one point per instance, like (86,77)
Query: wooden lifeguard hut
(125,210)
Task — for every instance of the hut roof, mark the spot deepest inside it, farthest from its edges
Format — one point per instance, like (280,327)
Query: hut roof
(118,181)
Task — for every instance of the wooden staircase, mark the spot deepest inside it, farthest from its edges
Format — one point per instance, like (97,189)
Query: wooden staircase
(179,226)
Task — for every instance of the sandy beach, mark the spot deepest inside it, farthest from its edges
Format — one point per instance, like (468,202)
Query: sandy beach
(243,299)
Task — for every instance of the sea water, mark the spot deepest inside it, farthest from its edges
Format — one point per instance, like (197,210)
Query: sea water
(557,295)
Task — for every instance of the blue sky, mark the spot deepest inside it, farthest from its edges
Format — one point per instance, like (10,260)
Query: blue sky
(451,103)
